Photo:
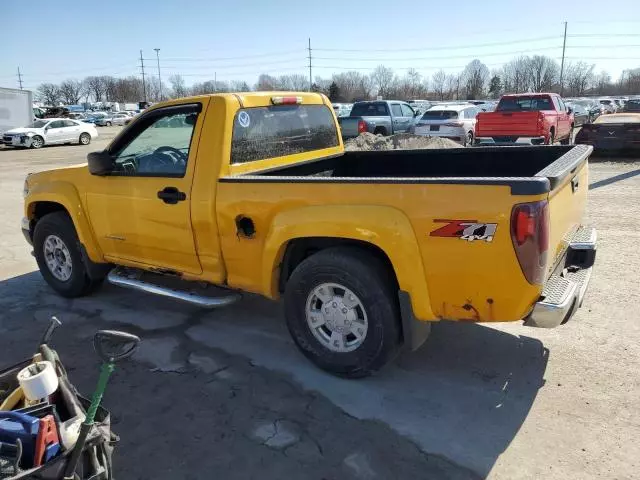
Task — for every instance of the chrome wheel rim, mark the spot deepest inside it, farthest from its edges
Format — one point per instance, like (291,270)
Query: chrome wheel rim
(84,139)
(36,142)
(336,317)
(57,258)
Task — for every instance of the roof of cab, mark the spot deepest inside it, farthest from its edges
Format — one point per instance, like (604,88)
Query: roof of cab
(253,99)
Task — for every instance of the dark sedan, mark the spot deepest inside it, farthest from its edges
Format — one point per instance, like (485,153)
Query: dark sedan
(617,131)
(580,114)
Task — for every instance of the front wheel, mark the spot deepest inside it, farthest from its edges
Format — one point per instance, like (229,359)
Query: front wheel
(108,124)
(85,139)
(342,311)
(37,141)
(468,140)
(57,251)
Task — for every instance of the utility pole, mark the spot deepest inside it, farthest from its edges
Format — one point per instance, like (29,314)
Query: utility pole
(144,83)
(564,45)
(215,82)
(19,78)
(310,76)
(159,79)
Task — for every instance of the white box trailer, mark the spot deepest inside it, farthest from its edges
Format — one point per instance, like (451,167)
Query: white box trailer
(16,108)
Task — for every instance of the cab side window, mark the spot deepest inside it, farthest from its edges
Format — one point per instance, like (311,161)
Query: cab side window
(159,147)
(407,111)
(396,110)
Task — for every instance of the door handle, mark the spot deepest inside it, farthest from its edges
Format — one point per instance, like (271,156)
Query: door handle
(171,195)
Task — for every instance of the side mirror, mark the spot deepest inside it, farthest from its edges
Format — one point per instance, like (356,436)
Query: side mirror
(569,110)
(100,163)
(417,114)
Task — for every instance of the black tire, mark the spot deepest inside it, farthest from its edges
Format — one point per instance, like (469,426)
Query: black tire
(552,137)
(380,131)
(37,141)
(468,139)
(370,280)
(108,124)
(60,225)
(84,139)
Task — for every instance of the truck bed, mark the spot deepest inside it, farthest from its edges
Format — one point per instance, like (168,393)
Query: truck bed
(528,170)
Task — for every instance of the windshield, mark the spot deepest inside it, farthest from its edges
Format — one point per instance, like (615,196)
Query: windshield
(515,104)
(369,110)
(439,115)
(38,124)
(605,102)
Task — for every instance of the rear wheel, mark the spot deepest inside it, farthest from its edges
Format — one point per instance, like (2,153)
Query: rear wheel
(57,251)
(552,137)
(85,139)
(108,124)
(342,311)
(468,140)
(380,131)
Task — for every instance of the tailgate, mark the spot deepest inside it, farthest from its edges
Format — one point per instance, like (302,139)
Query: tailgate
(349,126)
(569,179)
(490,124)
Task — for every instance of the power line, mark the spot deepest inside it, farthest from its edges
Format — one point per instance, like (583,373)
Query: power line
(239,57)
(241,65)
(492,44)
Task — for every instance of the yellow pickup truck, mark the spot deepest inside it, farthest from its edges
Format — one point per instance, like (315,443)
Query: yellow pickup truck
(201,198)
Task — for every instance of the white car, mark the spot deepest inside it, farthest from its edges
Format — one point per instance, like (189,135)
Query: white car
(454,121)
(119,118)
(50,131)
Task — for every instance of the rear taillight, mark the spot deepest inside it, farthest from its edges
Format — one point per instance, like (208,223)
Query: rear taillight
(362,126)
(540,123)
(530,237)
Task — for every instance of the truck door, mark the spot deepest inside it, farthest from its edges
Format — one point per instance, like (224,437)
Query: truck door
(408,114)
(141,211)
(399,122)
(564,119)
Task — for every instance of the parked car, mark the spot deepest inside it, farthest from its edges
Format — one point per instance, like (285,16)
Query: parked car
(618,131)
(342,109)
(456,122)
(50,131)
(120,118)
(356,243)
(382,117)
(632,105)
(94,117)
(607,106)
(592,106)
(526,118)
(580,114)
(105,120)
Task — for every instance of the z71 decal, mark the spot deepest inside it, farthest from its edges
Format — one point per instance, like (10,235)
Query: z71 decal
(469,230)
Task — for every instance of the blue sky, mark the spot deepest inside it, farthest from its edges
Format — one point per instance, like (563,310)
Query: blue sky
(54,40)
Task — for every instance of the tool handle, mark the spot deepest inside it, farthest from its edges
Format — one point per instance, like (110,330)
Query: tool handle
(53,324)
(127,343)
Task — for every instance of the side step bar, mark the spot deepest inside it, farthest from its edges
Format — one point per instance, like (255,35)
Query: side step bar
(188,292)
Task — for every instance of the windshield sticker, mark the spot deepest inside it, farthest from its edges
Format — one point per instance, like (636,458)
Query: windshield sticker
(244,120)
(468,230)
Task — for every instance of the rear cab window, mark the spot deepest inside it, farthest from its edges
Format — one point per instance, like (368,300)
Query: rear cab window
(261,133)
(370,109)
(524,104)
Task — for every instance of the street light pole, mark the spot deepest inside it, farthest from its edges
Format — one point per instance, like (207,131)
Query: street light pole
(159,79)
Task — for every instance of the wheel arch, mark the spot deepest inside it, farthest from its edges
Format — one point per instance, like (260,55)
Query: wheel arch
(62,197)
(384,232)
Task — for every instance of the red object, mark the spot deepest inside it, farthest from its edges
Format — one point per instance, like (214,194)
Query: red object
(362,126)
(47,436)
(286,100)
(526,115)
(530,237)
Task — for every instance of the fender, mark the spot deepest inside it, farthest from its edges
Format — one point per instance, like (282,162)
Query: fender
(385,227)
(65,194)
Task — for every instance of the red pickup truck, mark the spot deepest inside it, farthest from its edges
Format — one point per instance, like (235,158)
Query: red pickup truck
(527,118)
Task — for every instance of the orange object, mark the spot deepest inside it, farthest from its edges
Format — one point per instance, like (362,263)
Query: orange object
(47,437)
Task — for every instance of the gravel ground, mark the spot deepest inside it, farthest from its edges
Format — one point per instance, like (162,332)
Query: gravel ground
(226,394)
(369,141)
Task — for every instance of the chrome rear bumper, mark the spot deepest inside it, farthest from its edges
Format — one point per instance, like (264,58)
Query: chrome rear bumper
(564,290)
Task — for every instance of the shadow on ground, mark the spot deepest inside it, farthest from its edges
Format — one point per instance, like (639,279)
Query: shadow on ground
(224,375)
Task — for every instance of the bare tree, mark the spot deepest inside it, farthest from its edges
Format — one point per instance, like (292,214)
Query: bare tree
(475,77)
(294,82)
(109,88)
(71,91)
(451,84)
(439,80)
(515,76)
(49,94)
(178,86)
(382,78)
(96,86)
(266,82)
(578,77)
(602,83)
(239,86)
(543,73)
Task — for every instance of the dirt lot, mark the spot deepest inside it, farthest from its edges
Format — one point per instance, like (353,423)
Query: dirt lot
(226,394)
